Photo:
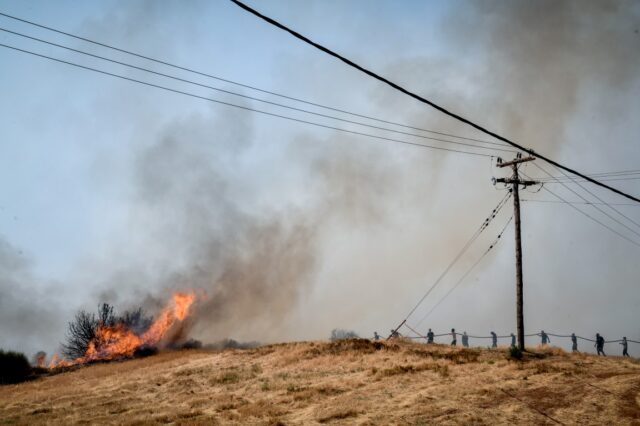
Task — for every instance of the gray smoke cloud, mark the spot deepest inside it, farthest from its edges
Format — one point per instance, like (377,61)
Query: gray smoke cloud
(28,311)
(287,235)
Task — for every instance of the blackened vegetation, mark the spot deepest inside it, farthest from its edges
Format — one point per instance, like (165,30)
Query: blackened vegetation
(84,327)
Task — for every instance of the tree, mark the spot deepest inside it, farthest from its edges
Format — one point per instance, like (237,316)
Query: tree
(82,330)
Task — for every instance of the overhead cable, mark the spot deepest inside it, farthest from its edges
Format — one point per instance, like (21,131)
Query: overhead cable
(245,108)
(247,86)
(249,97)
(428,102)
(476,234)
(466,274)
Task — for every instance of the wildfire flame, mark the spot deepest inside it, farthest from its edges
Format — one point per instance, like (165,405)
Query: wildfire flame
(112,342)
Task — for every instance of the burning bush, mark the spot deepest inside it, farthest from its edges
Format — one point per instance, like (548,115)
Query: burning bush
(14,367)
(106,336)
(83,329)
(39,359)
(87,328)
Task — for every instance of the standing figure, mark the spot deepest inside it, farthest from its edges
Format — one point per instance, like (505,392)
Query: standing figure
(453,336)
(494,340)
(430,336)
(574,342)
(376,336)
(545,338)
(394,334)
(513,340)
(624,346)
(600,344)
(465,339)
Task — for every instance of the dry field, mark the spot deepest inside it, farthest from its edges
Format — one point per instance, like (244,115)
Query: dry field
(347,382)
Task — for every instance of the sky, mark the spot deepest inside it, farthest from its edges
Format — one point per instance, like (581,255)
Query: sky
(112,191)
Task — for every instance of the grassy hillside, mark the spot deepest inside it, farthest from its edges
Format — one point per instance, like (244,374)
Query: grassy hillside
(346,382)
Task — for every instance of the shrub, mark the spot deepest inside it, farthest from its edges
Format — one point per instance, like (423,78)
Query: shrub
(82,330)
(340,334)
(14,367)
(84,327)
(515,352)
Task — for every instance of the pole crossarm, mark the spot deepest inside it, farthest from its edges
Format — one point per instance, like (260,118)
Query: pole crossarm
(514,162)
(517,181)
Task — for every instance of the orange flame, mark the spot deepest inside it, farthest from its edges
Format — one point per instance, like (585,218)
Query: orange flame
(120,342)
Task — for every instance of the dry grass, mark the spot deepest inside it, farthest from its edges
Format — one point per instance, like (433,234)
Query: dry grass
(346,382)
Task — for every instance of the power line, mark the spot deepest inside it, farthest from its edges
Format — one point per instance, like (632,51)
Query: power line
(247,86)
(426,101)
(619,172)
(482,227)
(585,213)
(596,206)
(462,278)
(602,201)
(245,108)
(612,179)
(602,174)
(578,202)
(246,96)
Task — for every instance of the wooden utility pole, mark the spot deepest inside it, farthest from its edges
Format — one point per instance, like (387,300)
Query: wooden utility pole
(515,183)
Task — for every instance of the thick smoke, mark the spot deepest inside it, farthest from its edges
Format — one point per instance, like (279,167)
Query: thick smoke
(206,218)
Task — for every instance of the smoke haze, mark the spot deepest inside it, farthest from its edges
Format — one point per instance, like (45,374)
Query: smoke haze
(288,231)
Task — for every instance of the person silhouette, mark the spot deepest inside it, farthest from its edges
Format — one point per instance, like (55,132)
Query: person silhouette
(545,338)
(494,340)
(600,344)
(430,336)
(465,339)
(574,342)
(625,346)
(453,336)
